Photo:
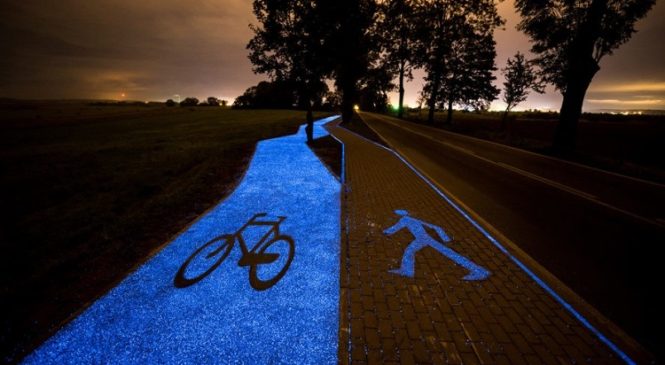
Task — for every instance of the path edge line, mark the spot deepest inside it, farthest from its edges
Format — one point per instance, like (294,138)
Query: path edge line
(344,334)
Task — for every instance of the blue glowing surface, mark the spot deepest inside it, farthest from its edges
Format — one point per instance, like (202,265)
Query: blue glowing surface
(422,239)
(222,319)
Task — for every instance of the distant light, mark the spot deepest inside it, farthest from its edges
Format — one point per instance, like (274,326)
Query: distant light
(356,107)
(395,107)
(122,95)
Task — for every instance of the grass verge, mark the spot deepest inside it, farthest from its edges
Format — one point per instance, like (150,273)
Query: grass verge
(625,144)
(358,126)
(329,151)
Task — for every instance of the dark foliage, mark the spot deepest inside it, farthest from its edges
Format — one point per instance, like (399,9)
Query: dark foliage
(520,77)
(190,102)
(397,26)
(373,95)
(268,95)
(288,46)
(350,45)
(213,101)
(570,38)
(457,50)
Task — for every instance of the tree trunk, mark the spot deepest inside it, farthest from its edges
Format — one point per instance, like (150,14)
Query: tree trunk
(504,119)
(348,100)
(432,98)
(430,114)
(449,118)
(310,123)
(400,110)
(565,135)
(347,111)
(583,67)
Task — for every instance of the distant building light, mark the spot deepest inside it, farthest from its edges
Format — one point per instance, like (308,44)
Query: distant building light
(356,107)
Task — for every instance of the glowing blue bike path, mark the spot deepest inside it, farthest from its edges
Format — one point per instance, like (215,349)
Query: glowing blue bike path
(222,319)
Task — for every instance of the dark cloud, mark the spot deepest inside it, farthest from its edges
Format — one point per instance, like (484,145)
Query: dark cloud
(146,49)
(154,49)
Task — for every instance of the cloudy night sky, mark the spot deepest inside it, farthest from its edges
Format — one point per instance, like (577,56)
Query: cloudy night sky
(152,50)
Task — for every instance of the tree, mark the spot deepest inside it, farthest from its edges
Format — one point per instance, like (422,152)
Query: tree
(213,101)
(456,48)
(376,85)
(331,101)
(268,95)
(170,102)
(191,101)
(468,75)
(570,38)
(287,45)
(520,77)
(397,26)
(351,45)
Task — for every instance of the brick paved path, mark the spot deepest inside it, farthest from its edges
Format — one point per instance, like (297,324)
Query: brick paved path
(436,317)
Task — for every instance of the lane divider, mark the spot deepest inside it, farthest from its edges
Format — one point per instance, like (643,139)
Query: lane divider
(345,323)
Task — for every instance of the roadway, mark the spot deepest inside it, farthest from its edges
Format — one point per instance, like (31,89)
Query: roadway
(599,233)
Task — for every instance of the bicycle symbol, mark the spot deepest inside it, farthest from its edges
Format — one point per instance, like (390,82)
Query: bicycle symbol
(264,252)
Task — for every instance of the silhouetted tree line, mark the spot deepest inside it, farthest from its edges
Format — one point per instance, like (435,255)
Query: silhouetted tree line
(361,46)
(192,101)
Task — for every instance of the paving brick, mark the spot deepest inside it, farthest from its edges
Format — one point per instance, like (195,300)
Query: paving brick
(389,350)
(413,330)
(482,352)
(452,355)
(374,358)
(420,353)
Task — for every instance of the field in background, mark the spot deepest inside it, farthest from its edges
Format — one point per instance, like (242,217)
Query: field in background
(631,145)
(88,191)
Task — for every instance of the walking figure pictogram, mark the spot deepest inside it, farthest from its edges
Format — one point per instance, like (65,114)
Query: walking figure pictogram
(422,239)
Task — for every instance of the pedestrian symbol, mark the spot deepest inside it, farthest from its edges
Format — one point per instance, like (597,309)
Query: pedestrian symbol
(422,239)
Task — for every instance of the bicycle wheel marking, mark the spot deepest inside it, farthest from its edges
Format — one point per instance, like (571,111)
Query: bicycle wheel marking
(203,261)
(272,252)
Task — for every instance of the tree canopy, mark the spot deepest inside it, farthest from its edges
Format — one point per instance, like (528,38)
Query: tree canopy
(457,51)
(268,95)
(520,77)
(287,45)
(570,38)
(350,45)
(397,25)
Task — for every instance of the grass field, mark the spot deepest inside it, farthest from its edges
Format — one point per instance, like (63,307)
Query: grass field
(631,145)
(88,192)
